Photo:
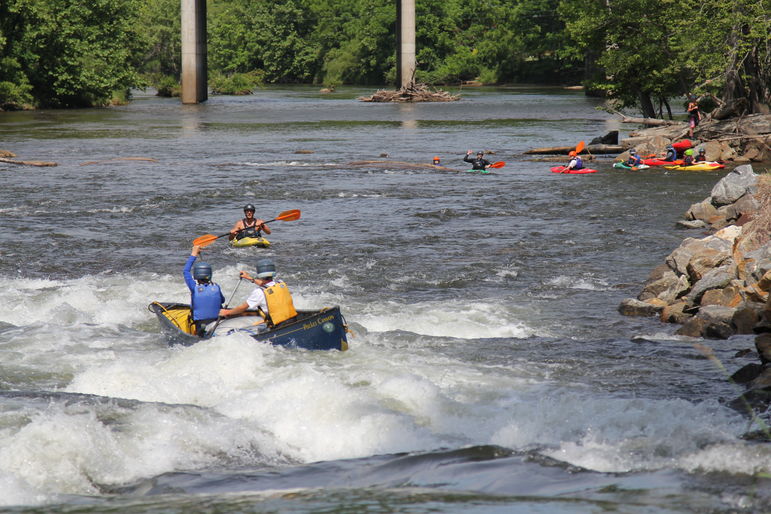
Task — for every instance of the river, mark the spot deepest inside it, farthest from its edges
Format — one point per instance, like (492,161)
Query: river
(488,370)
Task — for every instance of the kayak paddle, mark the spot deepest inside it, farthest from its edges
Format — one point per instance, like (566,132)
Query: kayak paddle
(499,164)
(207,239)
(580,147)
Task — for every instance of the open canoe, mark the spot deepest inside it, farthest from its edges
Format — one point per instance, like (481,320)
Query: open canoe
(323,329)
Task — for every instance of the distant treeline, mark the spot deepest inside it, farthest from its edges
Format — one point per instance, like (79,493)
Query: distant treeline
(61,53)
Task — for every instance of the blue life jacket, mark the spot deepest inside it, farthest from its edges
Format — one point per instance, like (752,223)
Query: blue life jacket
(206,300)
(579,163)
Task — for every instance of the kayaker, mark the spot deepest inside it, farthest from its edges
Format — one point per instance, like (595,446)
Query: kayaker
(688,157)
(702,157)
(634,159)
(206,298)
(271,298)
(249,226)
(576,163)
(671,155)
(694,114)
(478,163)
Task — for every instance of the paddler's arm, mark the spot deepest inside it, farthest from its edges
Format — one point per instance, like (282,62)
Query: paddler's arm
(235,311)
(238,227)
(262,227)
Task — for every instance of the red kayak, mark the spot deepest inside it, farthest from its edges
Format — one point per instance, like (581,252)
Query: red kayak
(659,162)
(563,169)
(682,146)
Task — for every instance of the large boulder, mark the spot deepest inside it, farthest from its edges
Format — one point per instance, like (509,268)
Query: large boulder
(738,182)
(717,247)
(717,278)
(634,307)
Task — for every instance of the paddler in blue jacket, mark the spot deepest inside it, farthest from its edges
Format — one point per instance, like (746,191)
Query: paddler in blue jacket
(480,163)
(634,159)
(671,155)
(206,298)
(271,298)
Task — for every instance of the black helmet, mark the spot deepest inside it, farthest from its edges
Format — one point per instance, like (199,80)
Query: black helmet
(202,271)
(632,152)
(265,268)
(249,207)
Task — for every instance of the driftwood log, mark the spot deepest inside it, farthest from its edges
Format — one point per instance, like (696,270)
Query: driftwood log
(28,163)
(400,164)
(564,150)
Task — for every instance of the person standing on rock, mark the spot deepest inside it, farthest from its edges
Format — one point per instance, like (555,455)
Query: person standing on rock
(478,163)
(694,114)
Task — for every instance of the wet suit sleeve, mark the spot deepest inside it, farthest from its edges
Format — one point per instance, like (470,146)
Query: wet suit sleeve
(189,276)
(468,158)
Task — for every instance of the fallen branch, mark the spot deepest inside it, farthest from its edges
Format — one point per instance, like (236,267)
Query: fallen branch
(28,163)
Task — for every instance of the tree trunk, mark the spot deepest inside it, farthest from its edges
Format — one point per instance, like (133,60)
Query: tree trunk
(647,105)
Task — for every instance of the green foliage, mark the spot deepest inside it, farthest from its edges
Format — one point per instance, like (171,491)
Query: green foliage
(235,84)
(72,54)
(638,52)
(165,85)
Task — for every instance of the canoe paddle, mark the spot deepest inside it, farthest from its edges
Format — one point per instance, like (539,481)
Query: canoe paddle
(207,239)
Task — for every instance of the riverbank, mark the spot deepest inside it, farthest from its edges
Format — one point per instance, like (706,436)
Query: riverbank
(718,286)
(741,140)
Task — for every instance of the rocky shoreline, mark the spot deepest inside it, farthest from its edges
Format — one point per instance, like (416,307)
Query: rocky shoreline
(718,285)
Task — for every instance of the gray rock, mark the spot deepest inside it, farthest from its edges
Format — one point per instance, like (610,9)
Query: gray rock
(703,210)
(763,345)
(634,307)
(692,224)
(734,185)
(747,373)
(716,314)
(745,318)
(717,278)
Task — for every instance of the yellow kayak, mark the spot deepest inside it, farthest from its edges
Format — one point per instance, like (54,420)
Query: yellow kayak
(699,166)
(250,241)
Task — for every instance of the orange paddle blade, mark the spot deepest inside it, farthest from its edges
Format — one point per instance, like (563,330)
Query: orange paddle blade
(580,147)
(499,164)
(205,240)
(290,215)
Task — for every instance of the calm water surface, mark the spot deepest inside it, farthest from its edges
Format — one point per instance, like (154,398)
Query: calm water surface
(489,370)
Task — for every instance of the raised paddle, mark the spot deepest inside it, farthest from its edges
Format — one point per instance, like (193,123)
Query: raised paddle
(580,147)
(499,164)
(207,239)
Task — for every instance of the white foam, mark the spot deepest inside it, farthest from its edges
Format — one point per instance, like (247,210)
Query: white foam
(466,320)
(586,283)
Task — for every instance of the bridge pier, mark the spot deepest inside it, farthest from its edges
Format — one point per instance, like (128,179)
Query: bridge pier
(405,43)
(194,72)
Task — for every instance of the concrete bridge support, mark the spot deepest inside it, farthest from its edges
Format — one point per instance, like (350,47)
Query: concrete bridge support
(194,73)
(405,43)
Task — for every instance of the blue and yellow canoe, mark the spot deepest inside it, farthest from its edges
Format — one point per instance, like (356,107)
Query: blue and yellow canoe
(323,329)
